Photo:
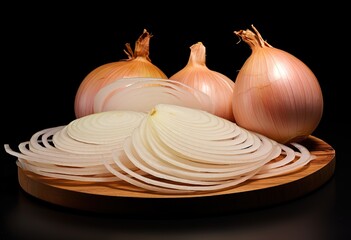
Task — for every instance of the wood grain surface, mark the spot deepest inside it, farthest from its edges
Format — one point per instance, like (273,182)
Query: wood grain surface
(124,199)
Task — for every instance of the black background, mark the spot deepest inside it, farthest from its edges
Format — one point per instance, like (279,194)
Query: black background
(47,50)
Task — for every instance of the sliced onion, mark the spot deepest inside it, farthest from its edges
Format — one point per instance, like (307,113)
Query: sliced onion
(99,133)
(172,149)
(210,160)
(79,150)
(292,162)
(144,93)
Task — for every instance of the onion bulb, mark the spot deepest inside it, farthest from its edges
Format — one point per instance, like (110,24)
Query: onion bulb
(218,86)
(275,93)
(138,64)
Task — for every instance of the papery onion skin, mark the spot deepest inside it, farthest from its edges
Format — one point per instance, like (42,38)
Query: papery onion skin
(138,64)
(275,93)
(218,86)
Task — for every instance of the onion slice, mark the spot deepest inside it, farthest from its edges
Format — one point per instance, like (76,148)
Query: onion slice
(144,93)
(210,160)
(80,149)
(171,149)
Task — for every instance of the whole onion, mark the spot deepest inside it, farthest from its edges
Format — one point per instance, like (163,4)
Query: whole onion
(138,64)
(216,85)
(275,93)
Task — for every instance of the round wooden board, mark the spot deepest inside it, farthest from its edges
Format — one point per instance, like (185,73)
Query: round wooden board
(119,198)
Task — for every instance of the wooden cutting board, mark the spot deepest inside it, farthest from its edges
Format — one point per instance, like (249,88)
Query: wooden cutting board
(119,198)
